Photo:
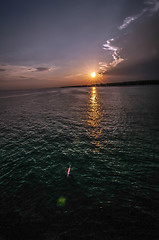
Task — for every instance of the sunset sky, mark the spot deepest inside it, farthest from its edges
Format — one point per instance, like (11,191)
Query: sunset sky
(50,43)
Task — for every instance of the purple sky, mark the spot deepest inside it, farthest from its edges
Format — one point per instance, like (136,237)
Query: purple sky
(49,43)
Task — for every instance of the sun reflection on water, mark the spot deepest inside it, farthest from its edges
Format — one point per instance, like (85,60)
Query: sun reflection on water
(94,117)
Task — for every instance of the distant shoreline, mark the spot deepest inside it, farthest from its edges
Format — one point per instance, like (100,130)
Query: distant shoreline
(116,84)
(119,84)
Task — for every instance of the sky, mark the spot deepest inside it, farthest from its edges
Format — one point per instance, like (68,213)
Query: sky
(53,43)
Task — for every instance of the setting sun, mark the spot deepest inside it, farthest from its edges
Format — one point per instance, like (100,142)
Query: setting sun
(93,74)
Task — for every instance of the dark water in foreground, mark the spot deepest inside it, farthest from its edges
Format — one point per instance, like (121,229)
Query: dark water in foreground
(109,136)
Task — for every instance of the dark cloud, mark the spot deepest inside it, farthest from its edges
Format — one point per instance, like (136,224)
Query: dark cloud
(2,70)
(41,69)
(139,47)
(145,69)
(142,40)
(22,77)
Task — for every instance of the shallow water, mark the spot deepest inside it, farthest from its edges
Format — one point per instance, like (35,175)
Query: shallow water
(109,136)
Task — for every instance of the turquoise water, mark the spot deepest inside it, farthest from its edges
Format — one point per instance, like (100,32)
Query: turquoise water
(110,138)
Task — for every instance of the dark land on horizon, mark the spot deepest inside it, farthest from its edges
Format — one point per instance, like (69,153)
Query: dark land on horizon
(118,84)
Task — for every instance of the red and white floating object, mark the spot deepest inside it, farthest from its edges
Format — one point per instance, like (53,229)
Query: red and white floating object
(68,172)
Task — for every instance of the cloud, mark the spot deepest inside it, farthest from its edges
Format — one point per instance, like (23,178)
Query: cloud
(41,69)
(152,6)
(108,46)
(73,75)
(145,69)
(130,19)
(22,77)
(17,72)
(139,45)
(140,48)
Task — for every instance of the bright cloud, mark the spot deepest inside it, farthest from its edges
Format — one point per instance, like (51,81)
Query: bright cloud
(152,6)
(108,46)
(130,19)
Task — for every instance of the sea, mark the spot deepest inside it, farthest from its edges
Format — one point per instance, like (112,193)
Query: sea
(80,163)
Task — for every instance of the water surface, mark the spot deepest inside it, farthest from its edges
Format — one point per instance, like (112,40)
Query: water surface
(109,136)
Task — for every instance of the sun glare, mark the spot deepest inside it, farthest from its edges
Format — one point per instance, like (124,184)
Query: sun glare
(93,74)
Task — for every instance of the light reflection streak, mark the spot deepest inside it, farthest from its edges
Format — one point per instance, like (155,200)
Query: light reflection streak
(94,117)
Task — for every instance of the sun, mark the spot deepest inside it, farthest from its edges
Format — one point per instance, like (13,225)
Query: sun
(93,74)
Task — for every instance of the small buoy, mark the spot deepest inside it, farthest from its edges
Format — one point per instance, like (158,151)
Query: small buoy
(68,172)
